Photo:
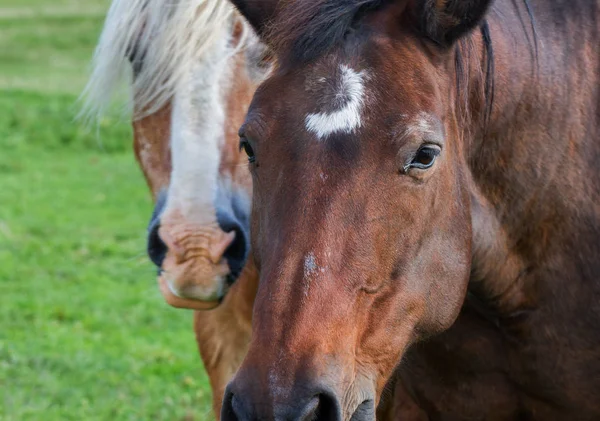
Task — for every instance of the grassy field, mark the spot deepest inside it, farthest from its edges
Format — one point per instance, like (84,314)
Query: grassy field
(84,334)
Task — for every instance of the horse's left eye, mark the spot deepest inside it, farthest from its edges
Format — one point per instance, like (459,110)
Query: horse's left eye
(425,157)
(244,144)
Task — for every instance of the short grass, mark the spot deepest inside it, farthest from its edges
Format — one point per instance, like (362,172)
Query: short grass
(84,334)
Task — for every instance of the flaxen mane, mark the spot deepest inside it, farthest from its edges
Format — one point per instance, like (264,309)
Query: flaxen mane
(151,44)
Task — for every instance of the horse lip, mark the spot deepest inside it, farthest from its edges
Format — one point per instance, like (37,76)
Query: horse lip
(177,301)
(195,292)
(190,292)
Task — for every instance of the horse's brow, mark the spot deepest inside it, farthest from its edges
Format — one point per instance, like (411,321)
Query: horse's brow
(255,125)
(422,125)
(347,117)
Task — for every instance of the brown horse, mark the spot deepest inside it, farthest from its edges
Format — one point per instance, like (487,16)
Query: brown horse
(425,200)
(195,67)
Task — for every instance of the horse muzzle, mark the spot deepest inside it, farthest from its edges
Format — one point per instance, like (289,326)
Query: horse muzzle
(306,399)
(197,263)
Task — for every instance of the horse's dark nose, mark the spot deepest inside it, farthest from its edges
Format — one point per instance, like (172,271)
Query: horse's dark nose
(233,215)
(157,249)
(237,252)
(320,405)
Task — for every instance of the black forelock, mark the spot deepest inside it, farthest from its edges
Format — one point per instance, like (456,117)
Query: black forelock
(308,29)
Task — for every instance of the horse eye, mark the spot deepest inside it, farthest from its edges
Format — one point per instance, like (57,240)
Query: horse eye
(244,144)
(425,157)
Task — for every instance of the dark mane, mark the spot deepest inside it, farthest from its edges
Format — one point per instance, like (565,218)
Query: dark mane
(463,55)
(307,30)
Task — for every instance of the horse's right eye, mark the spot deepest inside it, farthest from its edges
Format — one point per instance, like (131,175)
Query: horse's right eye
(244,144)
(425,157)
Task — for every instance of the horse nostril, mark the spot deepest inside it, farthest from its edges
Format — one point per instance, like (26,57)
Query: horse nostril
(237,252)
(310,411)
(364,412)
(233,210)
(228,411)
(157,249)
(325,409)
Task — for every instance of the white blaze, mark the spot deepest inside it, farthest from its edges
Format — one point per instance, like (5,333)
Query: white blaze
(197,133)
(346,119)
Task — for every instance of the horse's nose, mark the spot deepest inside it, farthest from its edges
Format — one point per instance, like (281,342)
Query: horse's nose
(318,404)
(236,254)
(157,249)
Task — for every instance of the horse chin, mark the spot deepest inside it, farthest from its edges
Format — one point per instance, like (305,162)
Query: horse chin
(175,299)
(195,284)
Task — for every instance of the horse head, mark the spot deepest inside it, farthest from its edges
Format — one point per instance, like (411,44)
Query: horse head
(187,106)
(361,224)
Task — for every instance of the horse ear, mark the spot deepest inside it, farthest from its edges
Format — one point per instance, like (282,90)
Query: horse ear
(258,12)
(445,21)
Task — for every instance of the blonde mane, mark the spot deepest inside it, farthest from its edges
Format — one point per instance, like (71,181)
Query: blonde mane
(168,35)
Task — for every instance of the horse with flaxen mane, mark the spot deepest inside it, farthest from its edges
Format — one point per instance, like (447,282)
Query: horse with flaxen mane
(426,198)
(193,66)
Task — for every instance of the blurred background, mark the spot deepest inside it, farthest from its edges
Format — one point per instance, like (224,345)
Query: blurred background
(84,332)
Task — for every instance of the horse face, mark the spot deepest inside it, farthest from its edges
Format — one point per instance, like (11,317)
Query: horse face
(189,152)
(361,215)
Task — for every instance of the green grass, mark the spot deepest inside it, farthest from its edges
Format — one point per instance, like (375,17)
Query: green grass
(84,333)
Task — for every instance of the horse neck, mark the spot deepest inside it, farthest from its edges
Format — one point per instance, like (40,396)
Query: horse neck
(533,162)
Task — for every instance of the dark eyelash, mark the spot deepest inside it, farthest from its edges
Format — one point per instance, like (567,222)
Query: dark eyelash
(430,151)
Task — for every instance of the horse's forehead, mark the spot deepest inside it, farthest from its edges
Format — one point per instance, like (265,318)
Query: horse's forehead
(329,99)
(338,100)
